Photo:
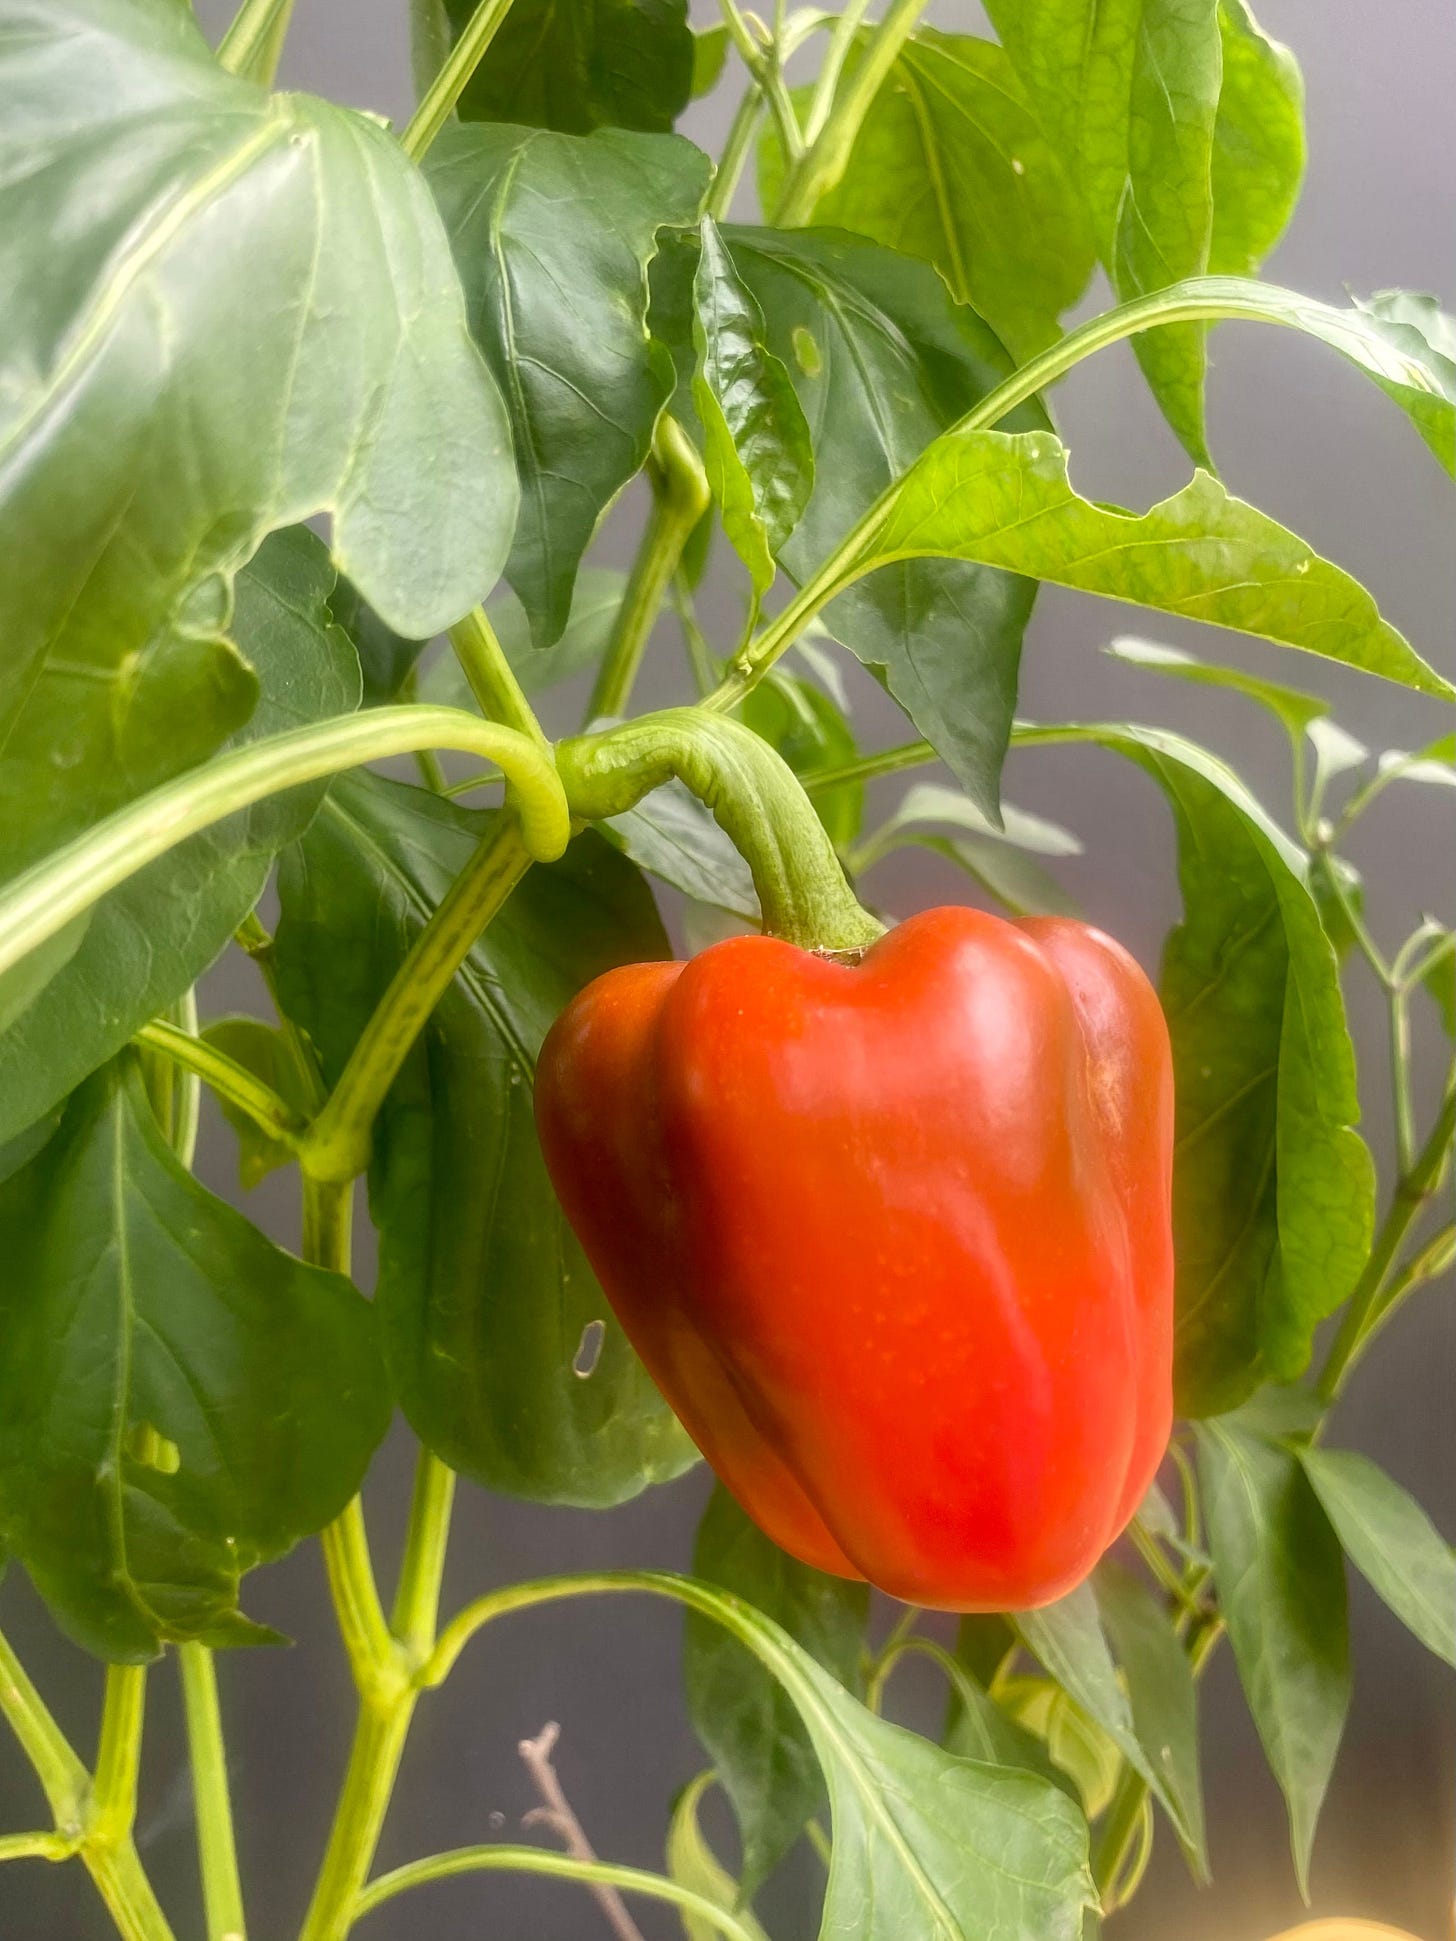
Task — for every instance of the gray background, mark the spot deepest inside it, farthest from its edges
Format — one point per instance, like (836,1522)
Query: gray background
(1303,438)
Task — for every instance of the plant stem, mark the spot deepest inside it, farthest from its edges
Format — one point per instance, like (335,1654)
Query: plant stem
(119,1754)
(823,163)
(222,1893)
(64,1779)
(539,1860)
(492,678)
(450,83)
(379,1739)
(254,40)
(736,151)
(763,63)
(42,900)
(680,498)
(826,86)
(415,1618)
(36,1846)
(229,1079)
(888,761)
(336,1145)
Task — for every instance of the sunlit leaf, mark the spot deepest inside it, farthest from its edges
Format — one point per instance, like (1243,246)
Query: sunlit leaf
(1258,144)
(692,1863)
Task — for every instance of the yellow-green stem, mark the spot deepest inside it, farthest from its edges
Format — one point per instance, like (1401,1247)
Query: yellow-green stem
(222,1894)
(449,84)
(492,679)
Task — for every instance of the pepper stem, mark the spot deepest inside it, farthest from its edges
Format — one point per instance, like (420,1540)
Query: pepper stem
(755,798)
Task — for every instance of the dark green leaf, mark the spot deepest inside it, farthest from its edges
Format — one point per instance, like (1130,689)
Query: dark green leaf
(710,51)
(1272,1191)
(595,599)
(386,659)
(978,1728)
(810,731)
(1258,144)
(553,234)
(756,443)
(149,941)
(856,325)
(575,65)
(1068,1639)
(1127,95)
(1006,500)
(673,836)
(691,1862)
(483,1293)
(950,166)
(1281,1584)
(748,1723)
(268,1054)
(228,309)
(179,1400)
(1391,1542)
(1162,1694)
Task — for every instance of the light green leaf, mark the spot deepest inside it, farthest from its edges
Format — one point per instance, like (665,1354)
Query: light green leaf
(268,1054)
(710,52)
(1273,1192)
(1258,144)
(1391,1542)
(1069,1640)
(581,65)
(855,325)
(1162,1694)
(151,940)
(553,234)
(1281,1585)
(759,461)
(1001,860)
(748,1723)
(811,731)
(1127,94)
(246,318)
(1006,500)
(483,1294)
(1419,313)
(179,1400)
(692,1863)
(950,166)
(1295,709)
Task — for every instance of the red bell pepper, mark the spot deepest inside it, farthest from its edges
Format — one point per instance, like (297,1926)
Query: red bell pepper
(892,1236)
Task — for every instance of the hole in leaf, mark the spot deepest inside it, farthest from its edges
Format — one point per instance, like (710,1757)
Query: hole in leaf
(806,352)
(153,1450)
(589,1349)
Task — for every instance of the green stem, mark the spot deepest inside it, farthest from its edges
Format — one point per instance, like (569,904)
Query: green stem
(118,1757)
(887,761)
(1365,1309)
(754,797)
(254,41)
(37,1846)
(492,678)
(823,163)
(336,1146)
(229,1079)
(763,63)
(222,1893)
(1206,299)
(379,1740)
(1400,1076)
(42,900)
(562,1866)
(415,1618)
(826,85)
(450,83)
(736,151)
(680,498)
(64,1779)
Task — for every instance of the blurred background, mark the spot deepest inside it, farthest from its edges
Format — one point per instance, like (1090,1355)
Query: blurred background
(1305,439)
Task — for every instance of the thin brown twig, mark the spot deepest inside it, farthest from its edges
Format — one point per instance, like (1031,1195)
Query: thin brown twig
(555,1814)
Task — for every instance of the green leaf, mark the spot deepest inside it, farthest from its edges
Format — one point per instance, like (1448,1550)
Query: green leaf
(1001,860)
(759,461)
(1295,709)
(179,1400)
(749,1724)
(1086,1760)
(386,659)
(245,318)
(855,324)
(810,730)
(1069,1640)
(1127,94)
(1258,144)
(1439,983)
(483,1294)
(150,940)
(1422,314)
(977,1727)
(1162,1694)
(576,65)
(710,52)
(1391,1542)
(950,166)
(1006,500)
(1273,1192)
(692,1863)
(1281,1584)
(673,836)
(595,599)
(553,234)
(268,1054)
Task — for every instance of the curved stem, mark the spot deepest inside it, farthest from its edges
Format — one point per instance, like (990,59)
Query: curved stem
(492,678)
(450,83)
(680,498)
(217,1855)
(562,1866)
(754,797)
(42,900)
(229,1079)
(336,1145)
(823,163)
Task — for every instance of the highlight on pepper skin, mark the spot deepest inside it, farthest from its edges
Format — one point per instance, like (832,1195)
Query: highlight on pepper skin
(893,1238)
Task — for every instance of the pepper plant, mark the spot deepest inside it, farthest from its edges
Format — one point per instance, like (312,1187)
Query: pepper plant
(290,394)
